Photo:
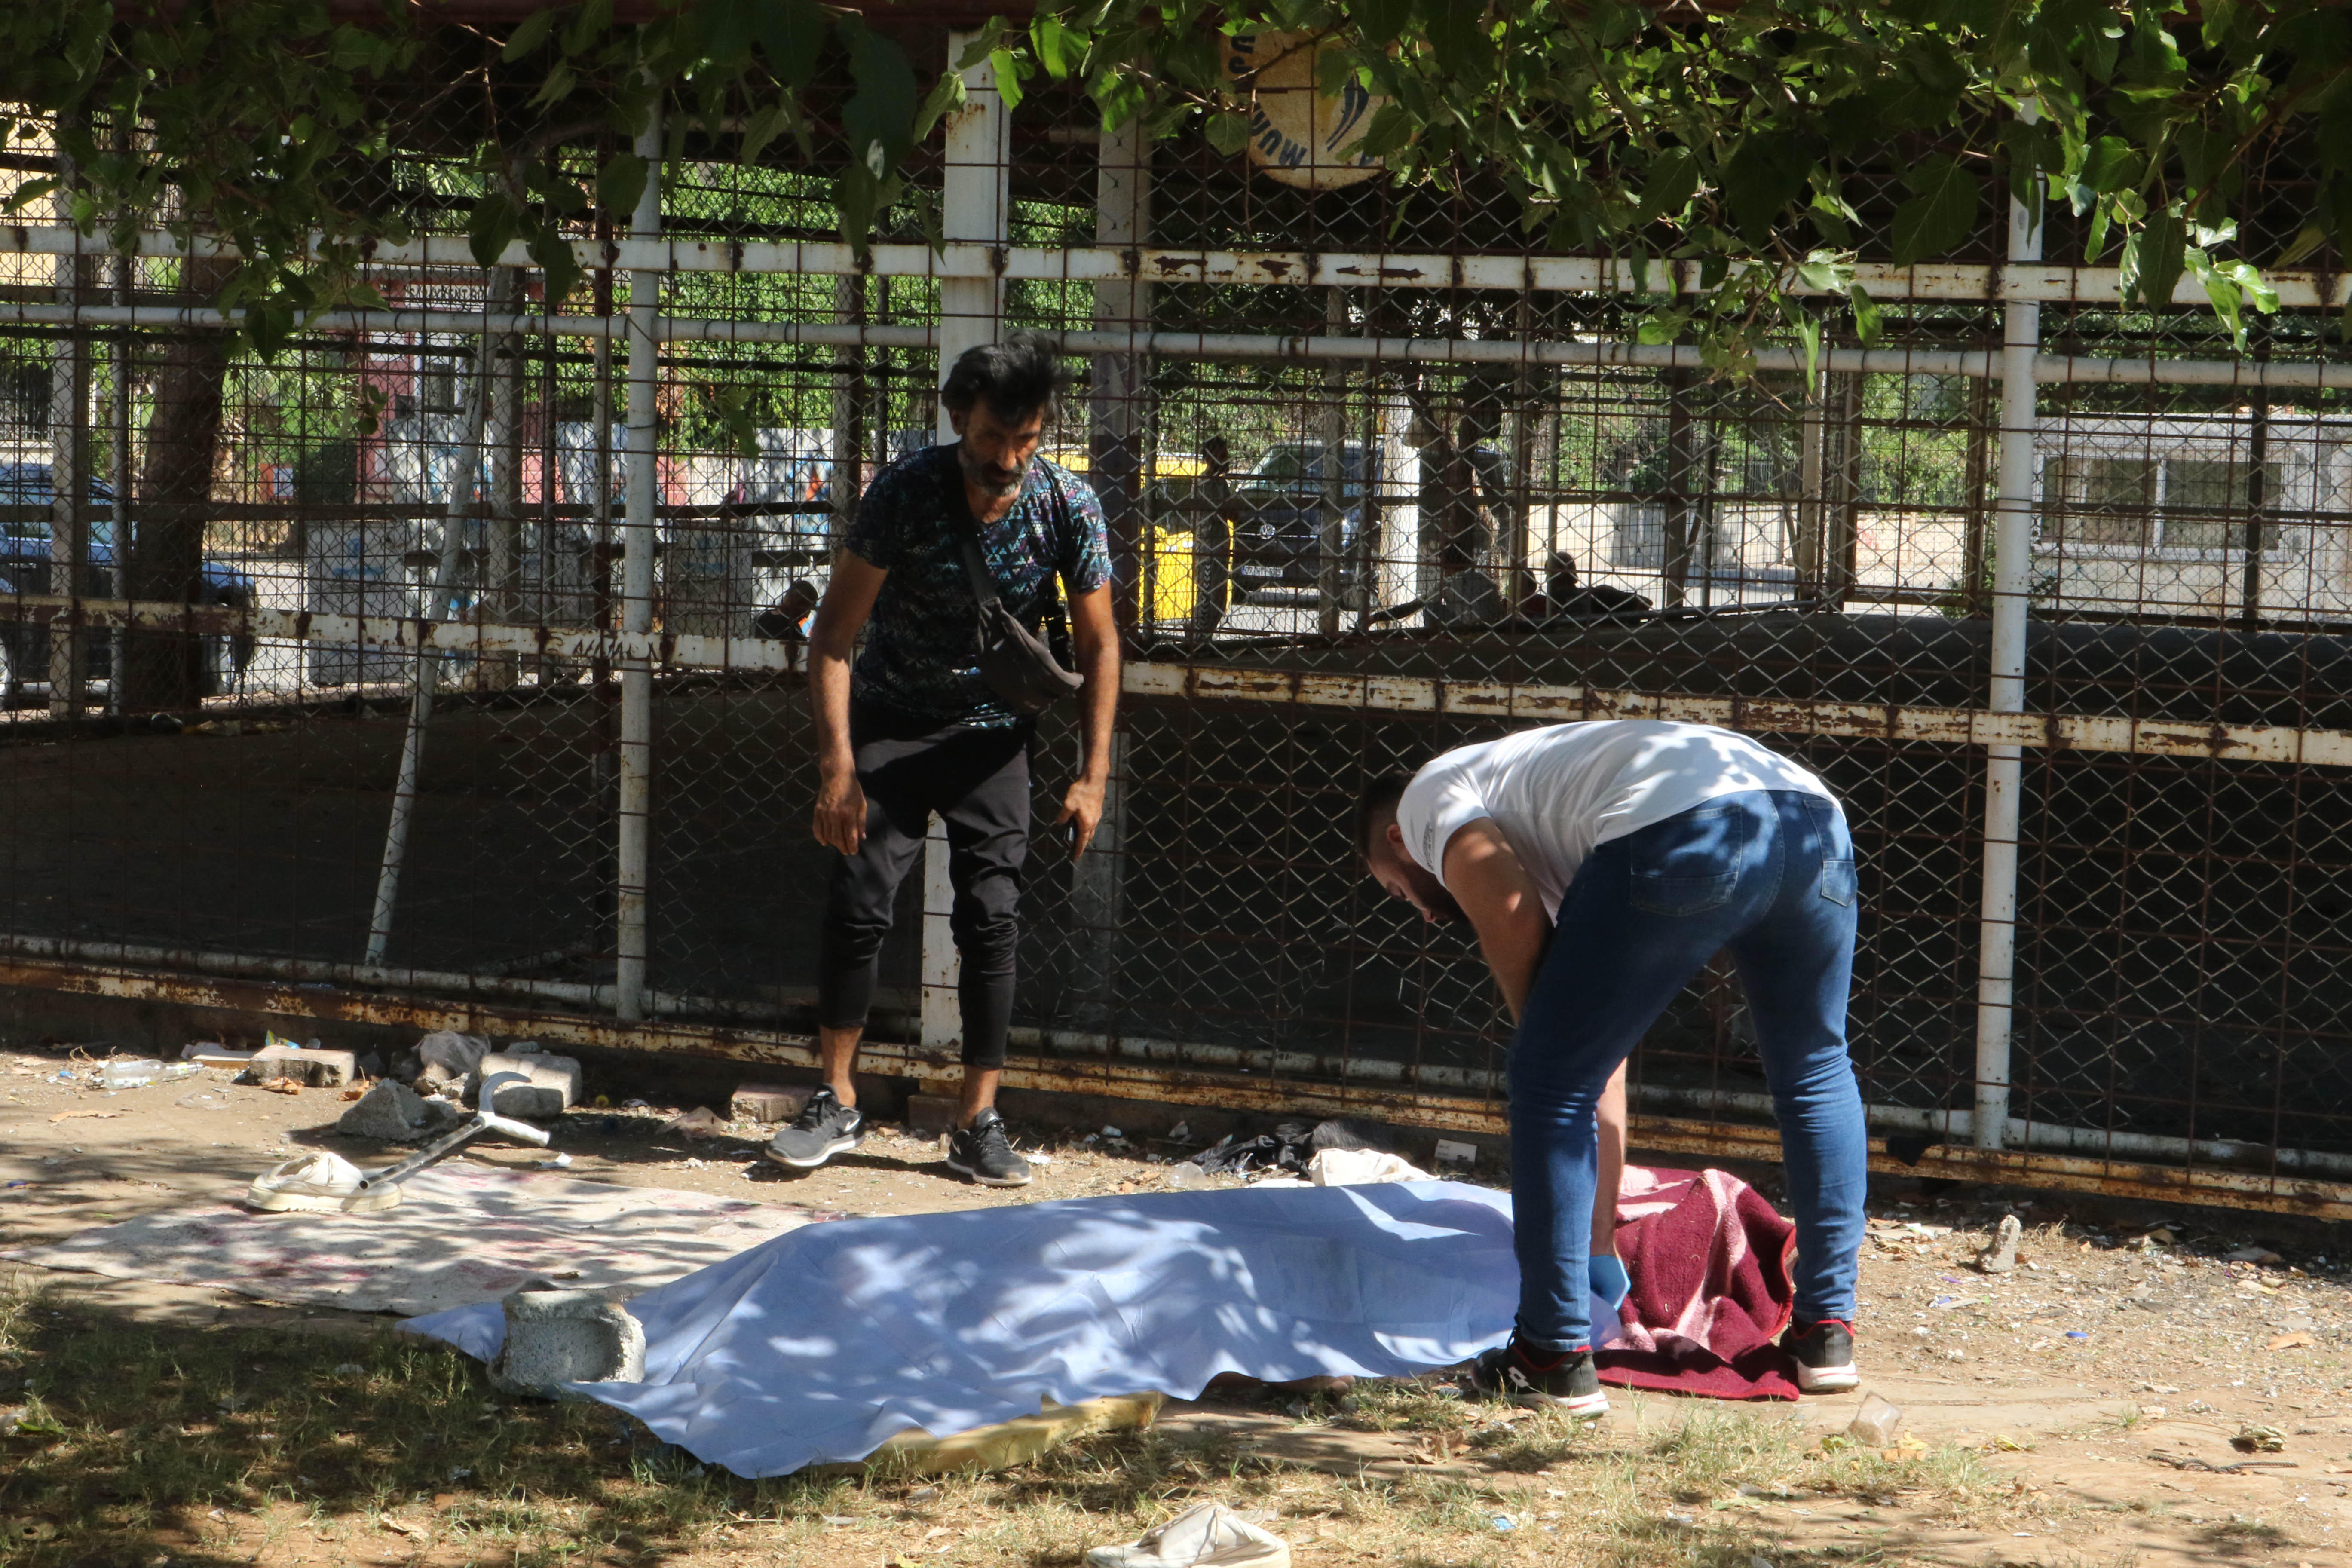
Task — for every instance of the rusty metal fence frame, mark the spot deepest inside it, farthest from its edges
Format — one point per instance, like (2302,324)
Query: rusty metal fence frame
(970,272)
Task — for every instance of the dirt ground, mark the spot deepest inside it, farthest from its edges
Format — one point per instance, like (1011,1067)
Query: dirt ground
(2100,1386)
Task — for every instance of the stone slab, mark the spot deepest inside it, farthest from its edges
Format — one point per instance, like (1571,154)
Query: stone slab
(317,1070)
(769,1101)
(552,1085)
(928,1114)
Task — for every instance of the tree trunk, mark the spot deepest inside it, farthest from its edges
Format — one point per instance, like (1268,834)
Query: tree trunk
(163,672)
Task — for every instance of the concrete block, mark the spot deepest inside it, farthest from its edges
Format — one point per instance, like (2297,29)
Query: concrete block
(554,1337)
(550,1086)
(931,1112)
(768,1102)
(318,1069)
(391,1113)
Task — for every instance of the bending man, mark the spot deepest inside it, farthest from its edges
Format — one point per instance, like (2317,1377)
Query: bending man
(1602,865)
(916,727)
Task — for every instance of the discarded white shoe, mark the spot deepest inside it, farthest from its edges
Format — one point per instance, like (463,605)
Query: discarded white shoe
(1206,1535)
(1360,1167)
(322,1183)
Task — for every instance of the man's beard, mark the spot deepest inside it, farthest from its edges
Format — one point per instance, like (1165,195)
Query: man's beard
(1441,904)
(985,477)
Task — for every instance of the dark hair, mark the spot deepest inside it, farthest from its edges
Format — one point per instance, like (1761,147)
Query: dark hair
(1015,378)
(1376,807)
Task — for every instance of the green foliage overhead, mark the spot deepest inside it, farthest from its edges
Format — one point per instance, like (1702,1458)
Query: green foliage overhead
(296,138)
(1741,136)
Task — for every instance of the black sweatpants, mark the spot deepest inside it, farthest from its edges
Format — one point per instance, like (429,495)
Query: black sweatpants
(978,782)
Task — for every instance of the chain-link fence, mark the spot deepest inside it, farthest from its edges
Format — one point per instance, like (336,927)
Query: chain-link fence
(450,658)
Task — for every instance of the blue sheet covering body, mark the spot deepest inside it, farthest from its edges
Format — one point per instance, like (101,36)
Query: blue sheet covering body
(826,1342)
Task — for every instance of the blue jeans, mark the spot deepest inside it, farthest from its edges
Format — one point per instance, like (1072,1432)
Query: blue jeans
(1768,874)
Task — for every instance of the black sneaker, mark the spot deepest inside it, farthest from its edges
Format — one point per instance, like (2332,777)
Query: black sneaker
(1542,1380)
(1825,1355)
(985,1153)
(824,1128)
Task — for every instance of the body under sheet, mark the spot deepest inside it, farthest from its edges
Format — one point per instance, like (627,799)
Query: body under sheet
(823,1343)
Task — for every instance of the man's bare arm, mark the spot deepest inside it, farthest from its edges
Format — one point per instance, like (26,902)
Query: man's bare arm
(1095,635)
(840,821)
(1484,874)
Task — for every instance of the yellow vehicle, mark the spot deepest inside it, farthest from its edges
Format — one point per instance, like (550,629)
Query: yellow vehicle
(1171,583)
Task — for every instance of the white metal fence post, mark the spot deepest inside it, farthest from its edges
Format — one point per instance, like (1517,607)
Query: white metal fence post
(2004,770)
(69,471)
(972,209)
(456,524)
(633,845)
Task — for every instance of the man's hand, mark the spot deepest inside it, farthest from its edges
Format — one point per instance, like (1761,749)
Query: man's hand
(840,821)
(840,810)
(1083,806)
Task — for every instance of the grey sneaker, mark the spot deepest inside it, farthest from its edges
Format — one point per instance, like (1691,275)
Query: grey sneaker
(985,1153)
(824,1128)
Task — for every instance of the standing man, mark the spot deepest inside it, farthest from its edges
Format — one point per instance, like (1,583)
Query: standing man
(1602,865)
(1209,510)
(916,727)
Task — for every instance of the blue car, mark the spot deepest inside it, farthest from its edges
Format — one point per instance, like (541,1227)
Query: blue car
(26,497)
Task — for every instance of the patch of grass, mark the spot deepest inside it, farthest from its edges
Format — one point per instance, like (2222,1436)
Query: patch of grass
(214,1446)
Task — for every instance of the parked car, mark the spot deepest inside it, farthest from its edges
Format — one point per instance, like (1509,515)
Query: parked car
(27,498)
(1278,514)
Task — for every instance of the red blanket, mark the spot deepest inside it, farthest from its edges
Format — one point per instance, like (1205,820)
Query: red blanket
(1709,1260)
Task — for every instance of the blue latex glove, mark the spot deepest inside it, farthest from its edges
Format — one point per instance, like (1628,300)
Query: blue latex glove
(1609,1279)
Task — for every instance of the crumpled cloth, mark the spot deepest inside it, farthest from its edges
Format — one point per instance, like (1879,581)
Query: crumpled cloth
(823,1343)
(1712,1287)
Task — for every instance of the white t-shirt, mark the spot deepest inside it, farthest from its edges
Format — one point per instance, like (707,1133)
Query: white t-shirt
(1558,790)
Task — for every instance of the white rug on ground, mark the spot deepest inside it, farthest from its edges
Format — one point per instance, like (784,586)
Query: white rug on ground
(462,1232)
(821,1346)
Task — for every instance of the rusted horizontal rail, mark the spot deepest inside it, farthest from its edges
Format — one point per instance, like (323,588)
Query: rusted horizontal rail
(1131,1080)
(2042,282)
(2057,369)
(1527,702)
(1508,702)
(391,634)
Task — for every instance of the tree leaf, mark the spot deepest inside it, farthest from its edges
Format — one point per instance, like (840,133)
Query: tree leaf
(1058,49)
(2153,260)
(528,35)
(1004,67)
(2304,242)
(491,228)
(2112,163)
(1229,134)
(727,27)
(1941,215)
(1456,31)
(619,183)
(551,249)
(1674,180)
(946,96)
(596,19)
(853,195)
(1378,22)
(790,34)
(879,117)
(1758,183)
(1867,321)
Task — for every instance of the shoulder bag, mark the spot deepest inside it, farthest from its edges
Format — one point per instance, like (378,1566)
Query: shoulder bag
(1014,661)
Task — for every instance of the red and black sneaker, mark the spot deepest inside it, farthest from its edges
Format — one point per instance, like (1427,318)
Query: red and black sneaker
(1542,1380)
(1825,1355)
